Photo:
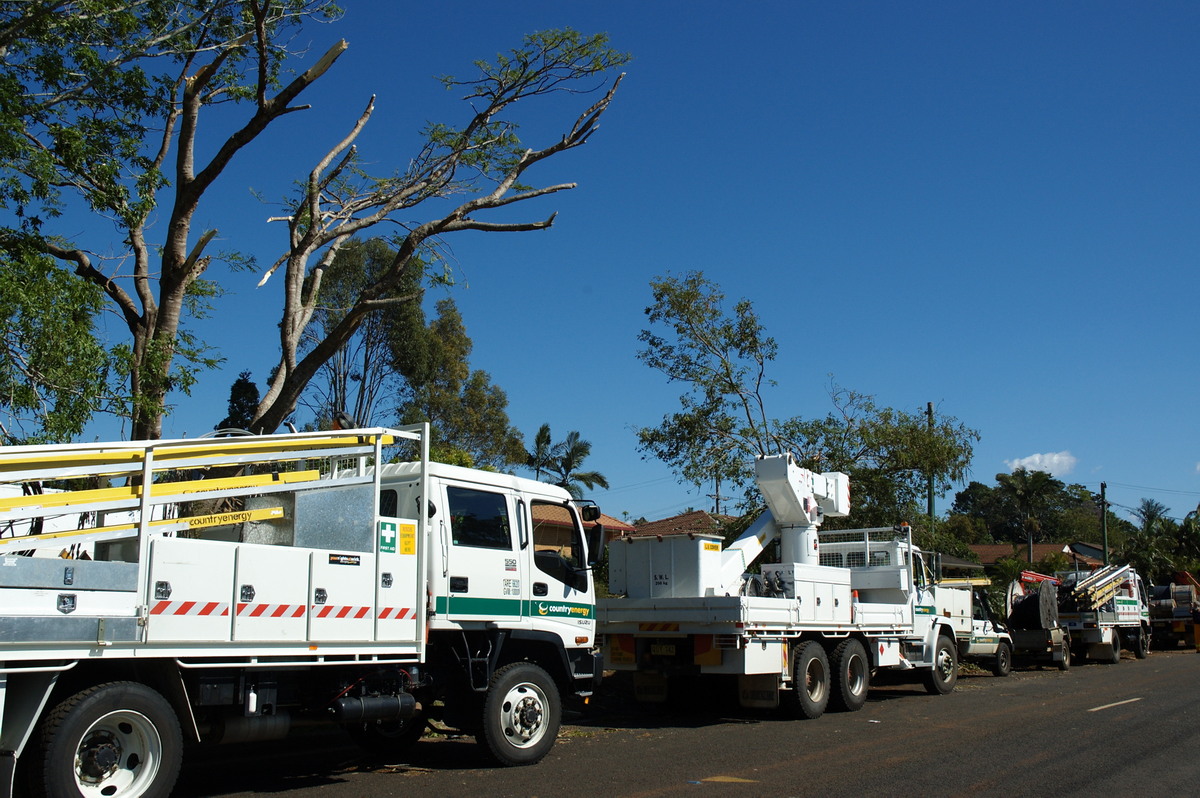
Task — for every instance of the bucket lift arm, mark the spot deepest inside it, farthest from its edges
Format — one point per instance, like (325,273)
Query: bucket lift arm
(797,500)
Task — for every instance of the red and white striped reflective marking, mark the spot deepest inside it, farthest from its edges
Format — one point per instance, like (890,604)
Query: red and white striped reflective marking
(334,611)
(197,608)
(396,613)
(658,627)
(270,610)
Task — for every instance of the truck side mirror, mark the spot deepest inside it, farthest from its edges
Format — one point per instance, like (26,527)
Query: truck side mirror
(590,512)
(595,544)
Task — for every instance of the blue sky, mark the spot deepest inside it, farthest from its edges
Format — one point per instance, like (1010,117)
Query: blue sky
(992,207)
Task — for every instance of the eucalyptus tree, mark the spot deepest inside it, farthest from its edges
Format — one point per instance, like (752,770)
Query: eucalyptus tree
(467,412)
(721,355)
(105,110)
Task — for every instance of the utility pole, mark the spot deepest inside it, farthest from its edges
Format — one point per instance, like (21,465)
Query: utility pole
(929,476)
(716,496)
(1104,518)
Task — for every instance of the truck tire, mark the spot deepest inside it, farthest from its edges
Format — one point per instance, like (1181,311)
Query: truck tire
(1002,664)
(119,739)
(941,678)
(388,738)
(851,675)
(1141,649)
(1115,656)
(810,681)
(1064,664)
(521,714)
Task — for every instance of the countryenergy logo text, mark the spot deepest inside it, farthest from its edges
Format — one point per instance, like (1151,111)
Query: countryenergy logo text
(564,610)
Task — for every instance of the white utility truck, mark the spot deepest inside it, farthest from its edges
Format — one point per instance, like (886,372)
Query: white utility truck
(987,641)
(229,589)
(1105,610)
(807,631)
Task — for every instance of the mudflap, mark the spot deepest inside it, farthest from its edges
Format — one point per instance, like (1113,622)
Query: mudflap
(758,690)
(649,687)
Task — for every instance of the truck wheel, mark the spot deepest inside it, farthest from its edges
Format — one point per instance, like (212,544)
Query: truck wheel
(1142,649)
(1002,665)
(388,738)
(810,681)
(1115,657)
(119,739)
(1065,663)
(941,678)
(521,714)
(851,675)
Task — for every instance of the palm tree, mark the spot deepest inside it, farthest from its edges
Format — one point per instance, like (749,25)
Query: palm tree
(1029,491)
(1150,513)
(1149,548)
(543,453)
(570,455)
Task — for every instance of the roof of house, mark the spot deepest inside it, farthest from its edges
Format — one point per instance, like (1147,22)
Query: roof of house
(692,521)
(989,553)
(558,516)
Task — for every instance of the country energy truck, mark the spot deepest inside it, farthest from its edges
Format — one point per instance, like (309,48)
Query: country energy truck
(230,589)
(1105,610)
(806,632)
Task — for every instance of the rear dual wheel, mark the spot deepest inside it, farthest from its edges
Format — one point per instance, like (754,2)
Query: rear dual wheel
(851,675)
(810,681)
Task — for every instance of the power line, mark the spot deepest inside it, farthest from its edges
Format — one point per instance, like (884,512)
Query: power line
(1157,490)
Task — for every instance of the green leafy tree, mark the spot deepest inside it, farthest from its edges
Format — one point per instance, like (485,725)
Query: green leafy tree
(1064,513)
(467,413)
(243,399)
(53,373)
(1151,547)
(102,107)
(721,358)
(1030,492)
(889,454)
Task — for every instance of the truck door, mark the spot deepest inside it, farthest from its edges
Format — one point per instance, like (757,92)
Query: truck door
(560,589)
(483,568)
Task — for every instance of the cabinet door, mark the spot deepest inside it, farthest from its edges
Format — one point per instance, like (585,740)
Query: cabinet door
(271,594)
(191,588)
(342,596)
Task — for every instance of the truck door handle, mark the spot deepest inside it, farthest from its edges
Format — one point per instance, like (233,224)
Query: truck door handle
(540,589)
(458,584)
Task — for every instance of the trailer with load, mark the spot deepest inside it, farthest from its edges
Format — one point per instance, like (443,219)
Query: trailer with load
(1105,610)
(1031,609)
(1173,611)
(806,632)
(230,589)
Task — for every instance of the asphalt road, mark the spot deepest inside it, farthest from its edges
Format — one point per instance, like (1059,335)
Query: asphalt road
(1094,730)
